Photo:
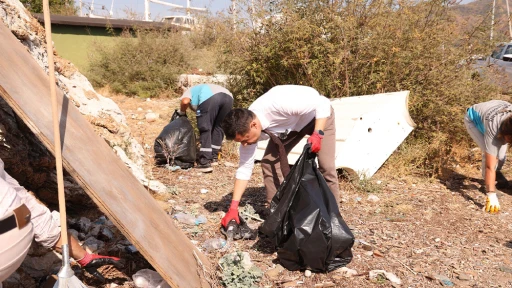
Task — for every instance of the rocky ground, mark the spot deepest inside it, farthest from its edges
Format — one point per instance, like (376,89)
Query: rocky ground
(426,232)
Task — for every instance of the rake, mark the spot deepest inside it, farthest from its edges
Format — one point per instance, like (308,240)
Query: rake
(66,276)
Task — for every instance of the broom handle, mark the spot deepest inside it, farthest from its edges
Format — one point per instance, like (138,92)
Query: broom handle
(56,130)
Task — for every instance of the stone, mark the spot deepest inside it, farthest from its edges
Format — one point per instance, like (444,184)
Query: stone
(92,244)
(377,253)
(464,277)
(373,198)
(307,273)
(38,267)
(505,269)
(273,273)
(152,117)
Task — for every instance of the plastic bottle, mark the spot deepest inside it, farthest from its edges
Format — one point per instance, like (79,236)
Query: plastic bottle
(190,219)
(214,244)
(185,218)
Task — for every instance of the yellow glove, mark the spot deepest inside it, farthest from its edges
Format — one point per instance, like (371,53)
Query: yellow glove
(492,205)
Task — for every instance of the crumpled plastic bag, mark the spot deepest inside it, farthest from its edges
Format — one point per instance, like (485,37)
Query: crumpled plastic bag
(147,278)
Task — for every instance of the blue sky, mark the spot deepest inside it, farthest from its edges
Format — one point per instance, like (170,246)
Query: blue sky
(157,10)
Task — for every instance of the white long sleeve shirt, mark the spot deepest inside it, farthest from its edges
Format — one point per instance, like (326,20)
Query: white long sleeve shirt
(282,108)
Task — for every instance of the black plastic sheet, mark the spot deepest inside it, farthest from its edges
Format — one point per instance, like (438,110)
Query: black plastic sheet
(176,144)
(305,222)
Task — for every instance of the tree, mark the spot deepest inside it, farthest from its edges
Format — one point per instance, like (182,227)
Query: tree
(61,7)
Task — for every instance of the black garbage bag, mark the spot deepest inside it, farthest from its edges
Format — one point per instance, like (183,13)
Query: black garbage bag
(176,144)
(305,222)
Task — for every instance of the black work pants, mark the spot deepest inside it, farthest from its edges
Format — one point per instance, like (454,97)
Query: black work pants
(210,116)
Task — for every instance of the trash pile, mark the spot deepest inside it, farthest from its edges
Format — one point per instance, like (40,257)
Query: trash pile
(96,236)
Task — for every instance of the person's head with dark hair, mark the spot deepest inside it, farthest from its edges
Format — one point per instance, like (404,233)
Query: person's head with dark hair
(505,130)
(242,125)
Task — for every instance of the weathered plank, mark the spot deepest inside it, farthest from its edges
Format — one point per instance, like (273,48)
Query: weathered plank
(105,178)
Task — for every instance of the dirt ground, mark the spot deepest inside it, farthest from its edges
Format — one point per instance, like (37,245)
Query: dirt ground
(420,229)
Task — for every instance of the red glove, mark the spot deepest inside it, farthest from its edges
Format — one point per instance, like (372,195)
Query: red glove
(316,140)
(91,262)
(232,214)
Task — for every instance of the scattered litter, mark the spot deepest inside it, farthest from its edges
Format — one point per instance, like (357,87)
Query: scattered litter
(373,198)
(366,246)
(146,278)
(204,191)
(131,249)
(347,272)
(190,219)
(172,168)
(307,273)
(214,244)
(388,275)
(445,281)
(101,220)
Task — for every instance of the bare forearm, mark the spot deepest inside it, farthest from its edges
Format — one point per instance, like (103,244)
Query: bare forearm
(239,189)
(185,102)
(490,172)
(75,250)
(320,123)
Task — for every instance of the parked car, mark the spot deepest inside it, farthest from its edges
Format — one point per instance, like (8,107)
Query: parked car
(497,67)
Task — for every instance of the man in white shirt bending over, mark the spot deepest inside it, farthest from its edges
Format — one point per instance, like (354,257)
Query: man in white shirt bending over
(289,112)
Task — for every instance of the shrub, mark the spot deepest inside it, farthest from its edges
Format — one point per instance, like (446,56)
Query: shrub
(145,63)
(348,48)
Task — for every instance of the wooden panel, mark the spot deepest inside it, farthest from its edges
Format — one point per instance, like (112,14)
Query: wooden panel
(93,164)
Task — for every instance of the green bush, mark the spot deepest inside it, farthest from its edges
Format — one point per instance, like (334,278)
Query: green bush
(145,63)
(350,48)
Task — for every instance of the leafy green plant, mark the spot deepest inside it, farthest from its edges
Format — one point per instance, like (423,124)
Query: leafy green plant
(238,271)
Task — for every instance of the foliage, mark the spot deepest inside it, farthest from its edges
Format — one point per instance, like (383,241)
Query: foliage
(360,47)
(61,7)
(238,271)
(145,63)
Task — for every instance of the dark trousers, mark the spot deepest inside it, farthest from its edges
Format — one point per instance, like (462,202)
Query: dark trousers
(271,166)
(211,113)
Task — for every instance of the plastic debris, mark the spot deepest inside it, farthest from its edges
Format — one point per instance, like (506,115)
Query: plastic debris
(190,219)
(204,191)
(445,281)
(146,278)
(214,244)
(390,276)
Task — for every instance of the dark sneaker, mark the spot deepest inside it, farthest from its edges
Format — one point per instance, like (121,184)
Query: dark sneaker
(205,168)
(502,182)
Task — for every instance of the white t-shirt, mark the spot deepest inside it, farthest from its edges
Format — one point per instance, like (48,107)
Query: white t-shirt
(282,108)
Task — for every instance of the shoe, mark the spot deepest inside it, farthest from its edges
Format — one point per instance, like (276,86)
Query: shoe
(205,168)
(502,182)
